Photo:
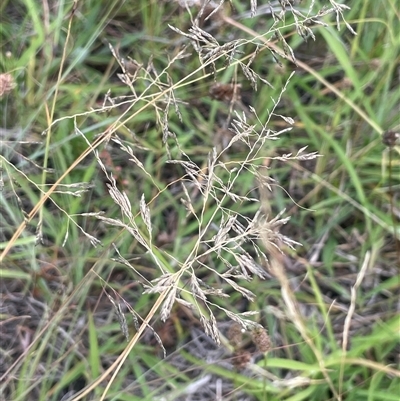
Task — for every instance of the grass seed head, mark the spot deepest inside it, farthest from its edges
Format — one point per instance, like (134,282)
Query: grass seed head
(261,339)
(7,84)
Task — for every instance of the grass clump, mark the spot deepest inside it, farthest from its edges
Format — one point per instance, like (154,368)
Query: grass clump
(152,155)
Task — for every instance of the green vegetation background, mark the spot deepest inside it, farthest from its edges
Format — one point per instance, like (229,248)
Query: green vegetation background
(61,332)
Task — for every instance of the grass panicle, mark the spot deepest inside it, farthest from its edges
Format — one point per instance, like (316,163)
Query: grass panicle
(197,202)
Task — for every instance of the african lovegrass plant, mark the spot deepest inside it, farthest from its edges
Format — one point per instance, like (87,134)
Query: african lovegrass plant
(182,220)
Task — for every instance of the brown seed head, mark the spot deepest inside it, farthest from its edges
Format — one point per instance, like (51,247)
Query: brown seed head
(225,92)
(391,138)
(235,334)
(7,83)
(261,339)
(240,359)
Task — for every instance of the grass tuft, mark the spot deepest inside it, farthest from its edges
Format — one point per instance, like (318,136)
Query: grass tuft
(199,200)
